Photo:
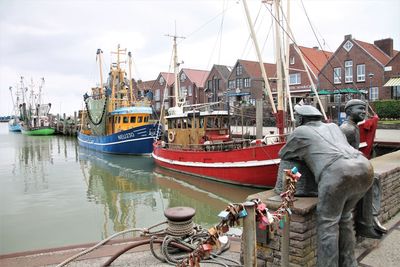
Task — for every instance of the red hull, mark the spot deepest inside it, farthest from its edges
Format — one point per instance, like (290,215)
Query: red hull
(255,166)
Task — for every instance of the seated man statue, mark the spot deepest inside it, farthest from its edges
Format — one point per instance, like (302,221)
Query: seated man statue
(343,176)
(367,211)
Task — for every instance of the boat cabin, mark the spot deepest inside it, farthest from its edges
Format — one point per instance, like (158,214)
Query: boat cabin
(126,118)
(194,129)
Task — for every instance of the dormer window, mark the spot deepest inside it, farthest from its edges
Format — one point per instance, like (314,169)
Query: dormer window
(348,45)
(291,61)
(183,77)
(239,69)
(161,81)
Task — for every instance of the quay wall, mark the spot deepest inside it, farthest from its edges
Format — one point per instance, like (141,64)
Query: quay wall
(303,234)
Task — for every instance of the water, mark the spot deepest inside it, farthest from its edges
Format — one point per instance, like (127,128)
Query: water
(53,193)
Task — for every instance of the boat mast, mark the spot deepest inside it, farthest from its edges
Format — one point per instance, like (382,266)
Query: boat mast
(130,78)
(267,88)
(39,101)
(178,102)
(98,56)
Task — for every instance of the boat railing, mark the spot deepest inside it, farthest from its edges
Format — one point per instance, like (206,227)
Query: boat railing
(228,145)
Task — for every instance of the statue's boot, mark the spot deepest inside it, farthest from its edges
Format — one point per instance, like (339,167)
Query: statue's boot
(378,226)
(367,231)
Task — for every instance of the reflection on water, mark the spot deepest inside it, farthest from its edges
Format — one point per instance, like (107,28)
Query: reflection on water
(71,195)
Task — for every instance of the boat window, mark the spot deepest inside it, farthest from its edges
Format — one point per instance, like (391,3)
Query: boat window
(146,119)
(217,122)
(225,122)
(139,119)
(125,119)
(133,119)
(119,119)
(178,123)
(201,122)
(184,123)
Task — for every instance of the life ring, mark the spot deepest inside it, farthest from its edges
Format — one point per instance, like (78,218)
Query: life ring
(171,136)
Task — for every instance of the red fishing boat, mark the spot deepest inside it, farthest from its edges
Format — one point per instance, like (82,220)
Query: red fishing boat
(199,141)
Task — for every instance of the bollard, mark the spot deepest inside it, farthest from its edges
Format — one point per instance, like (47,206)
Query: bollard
(249,236)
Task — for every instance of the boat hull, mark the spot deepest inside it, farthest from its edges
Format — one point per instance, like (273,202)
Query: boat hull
(254,166)
(14,128)
(135,141)
(39,131)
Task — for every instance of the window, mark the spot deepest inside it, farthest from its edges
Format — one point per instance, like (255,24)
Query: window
(190,90)
(139,119)
(183,91)
(183,77)
(119,119)
(337,75)
(133,119)
(209,84)
(291,60)
(157,96)
(396,92)
(348,45)
(348,70)
(125,119)
(158,105)
(373,93)
(166,104)
(294,78)
(161,81)
(146,119)
(246,82)
(239,69)
(361,73)
(239,83)
(231,84)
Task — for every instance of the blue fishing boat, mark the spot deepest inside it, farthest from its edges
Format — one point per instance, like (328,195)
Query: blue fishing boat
(114,120)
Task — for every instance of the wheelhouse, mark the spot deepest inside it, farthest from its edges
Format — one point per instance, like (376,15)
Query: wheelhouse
(126,118)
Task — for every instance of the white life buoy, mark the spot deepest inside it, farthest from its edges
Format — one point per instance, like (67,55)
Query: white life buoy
(171,136)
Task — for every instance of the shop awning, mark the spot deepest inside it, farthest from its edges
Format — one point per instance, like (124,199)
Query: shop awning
(393,82)
(340,91)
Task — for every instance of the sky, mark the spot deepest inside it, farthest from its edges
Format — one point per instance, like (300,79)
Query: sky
(58,39)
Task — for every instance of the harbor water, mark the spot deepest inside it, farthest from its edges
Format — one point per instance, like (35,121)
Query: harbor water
(54,193)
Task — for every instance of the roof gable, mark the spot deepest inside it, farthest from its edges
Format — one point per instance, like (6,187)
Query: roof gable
(168,77)
(197,77)
(252,68)
(373,51)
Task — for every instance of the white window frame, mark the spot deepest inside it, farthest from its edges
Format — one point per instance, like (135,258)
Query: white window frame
(183,77)
(348,71)
(361,73)
(157,95)
(190,90)
(161,81)
(158,105)
(294,78)
(373,93)
(231,84)
(239,83)
(337,75)
(291,61)
(239,69)
(247,83)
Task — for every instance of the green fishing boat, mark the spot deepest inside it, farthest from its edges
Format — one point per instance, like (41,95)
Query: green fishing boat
(35,116)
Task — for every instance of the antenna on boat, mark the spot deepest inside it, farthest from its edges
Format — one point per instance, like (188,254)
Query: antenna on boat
(178,102)
(98,56)
(130,77)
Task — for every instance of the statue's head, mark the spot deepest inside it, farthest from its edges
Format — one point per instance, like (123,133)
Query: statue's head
(306,113)
(355,110)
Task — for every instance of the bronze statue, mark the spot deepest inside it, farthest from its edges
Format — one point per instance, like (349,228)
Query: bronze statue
(367,210)
(342,174)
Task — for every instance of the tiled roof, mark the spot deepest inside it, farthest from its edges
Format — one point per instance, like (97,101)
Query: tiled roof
(315,58)
(374,51)
(254,71)
(145,84)
(224,70)
(198,77)
(169,77)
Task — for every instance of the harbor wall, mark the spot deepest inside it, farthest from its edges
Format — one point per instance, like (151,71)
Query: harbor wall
(303,234)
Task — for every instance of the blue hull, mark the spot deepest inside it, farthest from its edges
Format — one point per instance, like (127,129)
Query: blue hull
(135,141)
(14,128)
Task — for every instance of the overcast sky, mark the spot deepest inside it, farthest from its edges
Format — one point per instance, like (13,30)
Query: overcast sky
(58,39)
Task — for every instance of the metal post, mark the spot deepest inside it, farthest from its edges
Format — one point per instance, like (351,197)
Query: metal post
(249,236)
(285,240)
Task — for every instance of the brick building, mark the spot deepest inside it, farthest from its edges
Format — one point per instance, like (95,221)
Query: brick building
(216,84)
(162,89)
(192,85)
(392,77)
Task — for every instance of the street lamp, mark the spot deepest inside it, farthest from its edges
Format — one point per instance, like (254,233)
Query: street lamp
(371,76)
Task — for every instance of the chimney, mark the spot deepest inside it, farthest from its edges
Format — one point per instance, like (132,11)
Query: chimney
(348,37)
(316,48)
(386,45)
